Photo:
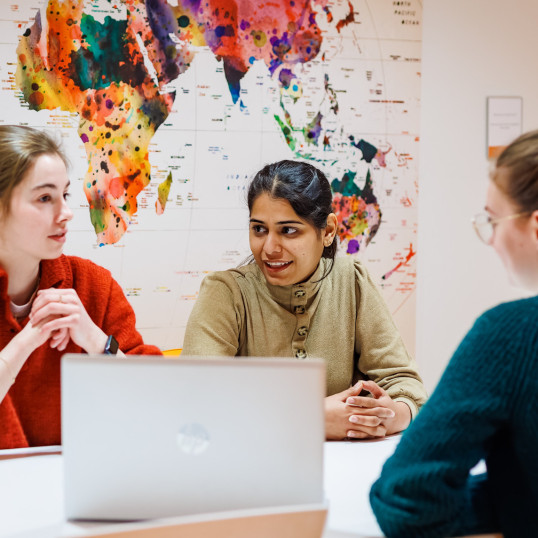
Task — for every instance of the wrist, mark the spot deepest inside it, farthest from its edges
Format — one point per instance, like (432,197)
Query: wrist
(96,344)
(402,419)
(23,343)
(16,352)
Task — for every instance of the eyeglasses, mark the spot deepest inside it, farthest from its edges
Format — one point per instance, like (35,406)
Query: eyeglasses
(484,225)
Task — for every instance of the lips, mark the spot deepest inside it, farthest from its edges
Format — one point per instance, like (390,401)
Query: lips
(277,264)
(275,267)
(60,236)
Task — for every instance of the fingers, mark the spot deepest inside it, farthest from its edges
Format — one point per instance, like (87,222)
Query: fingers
(362,401)
(63,344)
(364,434)
(64,322)
(357,387)
(355,390)
(367,426)
(372,419)
(53,302)
(52,309)
(374,389)
(358,435)
(53,295)
(380,412)
(59,339)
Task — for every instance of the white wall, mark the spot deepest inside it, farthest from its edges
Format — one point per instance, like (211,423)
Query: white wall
(471,49)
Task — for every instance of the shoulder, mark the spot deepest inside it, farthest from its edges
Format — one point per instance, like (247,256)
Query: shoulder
(82,266)
(71,271)
(87,275)
(501,344)
(511,318)
(343,268)
(349,272)
(240,278)
(348,267)
(521,308)
(225,293)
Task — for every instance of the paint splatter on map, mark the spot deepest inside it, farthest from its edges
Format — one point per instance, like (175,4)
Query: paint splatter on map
(176,103)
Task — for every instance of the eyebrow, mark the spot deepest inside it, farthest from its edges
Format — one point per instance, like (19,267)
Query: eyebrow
(280,223)
(49,186)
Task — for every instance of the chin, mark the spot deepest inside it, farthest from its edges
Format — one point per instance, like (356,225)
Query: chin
(278,281)
(52,256)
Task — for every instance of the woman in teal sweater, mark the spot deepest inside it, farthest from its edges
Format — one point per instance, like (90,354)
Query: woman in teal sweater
(486,404)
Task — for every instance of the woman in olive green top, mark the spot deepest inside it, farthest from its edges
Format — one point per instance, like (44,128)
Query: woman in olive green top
(297,300)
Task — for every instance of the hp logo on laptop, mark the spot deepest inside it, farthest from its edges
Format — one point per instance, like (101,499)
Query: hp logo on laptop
(193,439)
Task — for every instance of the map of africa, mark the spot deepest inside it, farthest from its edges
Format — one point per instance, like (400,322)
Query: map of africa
(167,109)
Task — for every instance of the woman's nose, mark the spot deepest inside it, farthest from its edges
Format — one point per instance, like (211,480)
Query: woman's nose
(66,213)
(272,244)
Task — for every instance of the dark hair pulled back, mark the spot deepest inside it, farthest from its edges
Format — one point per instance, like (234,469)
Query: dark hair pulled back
(305,187)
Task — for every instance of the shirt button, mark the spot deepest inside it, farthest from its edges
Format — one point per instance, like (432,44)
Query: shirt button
(299,309)
(302,331)
(300,293)
(300,354)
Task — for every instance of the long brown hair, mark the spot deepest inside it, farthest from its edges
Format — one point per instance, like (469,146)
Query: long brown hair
(20,146)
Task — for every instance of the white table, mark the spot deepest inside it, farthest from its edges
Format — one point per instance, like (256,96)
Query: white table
(31,492)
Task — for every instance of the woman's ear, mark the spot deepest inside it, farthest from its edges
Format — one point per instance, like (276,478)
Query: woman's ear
(330,230)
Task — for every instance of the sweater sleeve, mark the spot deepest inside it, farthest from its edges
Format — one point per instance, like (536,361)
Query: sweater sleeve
(425,489)
(215,323)
(120,320)
(383,357)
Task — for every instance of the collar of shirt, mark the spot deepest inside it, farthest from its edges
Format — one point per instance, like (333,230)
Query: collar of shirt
(302,294)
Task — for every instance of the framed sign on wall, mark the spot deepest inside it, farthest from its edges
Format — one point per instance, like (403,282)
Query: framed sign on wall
(504,123)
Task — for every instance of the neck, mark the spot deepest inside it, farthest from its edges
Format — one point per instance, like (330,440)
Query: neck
(22,280)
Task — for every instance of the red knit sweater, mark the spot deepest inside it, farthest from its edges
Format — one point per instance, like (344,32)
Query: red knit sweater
(30,412)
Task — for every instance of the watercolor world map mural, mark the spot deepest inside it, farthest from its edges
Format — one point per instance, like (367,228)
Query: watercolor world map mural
(168,107)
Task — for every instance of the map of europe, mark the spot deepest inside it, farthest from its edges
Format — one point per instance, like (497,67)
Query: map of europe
(171,106)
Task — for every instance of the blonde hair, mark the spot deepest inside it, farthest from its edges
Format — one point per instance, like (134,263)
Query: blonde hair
(520,160)
(20,146)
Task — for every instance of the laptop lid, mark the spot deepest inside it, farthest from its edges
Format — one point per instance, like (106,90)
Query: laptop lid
(147,437)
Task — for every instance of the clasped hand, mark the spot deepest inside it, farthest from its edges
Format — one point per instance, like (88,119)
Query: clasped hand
(349,415)
(59,314)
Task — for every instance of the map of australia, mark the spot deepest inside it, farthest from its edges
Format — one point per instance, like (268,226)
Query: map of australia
(332,82)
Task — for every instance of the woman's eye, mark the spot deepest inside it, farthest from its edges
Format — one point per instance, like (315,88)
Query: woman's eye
(67,195)
(44,198)
(288,230)
(256,228)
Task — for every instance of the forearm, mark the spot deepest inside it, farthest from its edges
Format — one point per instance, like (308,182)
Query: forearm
(430,506)
(14,355)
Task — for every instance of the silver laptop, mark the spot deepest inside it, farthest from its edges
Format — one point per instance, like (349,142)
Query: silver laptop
(148,437)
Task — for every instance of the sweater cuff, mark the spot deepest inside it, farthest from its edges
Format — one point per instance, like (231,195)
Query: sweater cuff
(410,403)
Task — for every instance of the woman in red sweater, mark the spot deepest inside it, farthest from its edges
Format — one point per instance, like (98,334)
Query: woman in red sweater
(50,304)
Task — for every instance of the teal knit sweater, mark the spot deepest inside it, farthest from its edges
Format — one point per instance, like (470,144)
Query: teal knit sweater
(485,407)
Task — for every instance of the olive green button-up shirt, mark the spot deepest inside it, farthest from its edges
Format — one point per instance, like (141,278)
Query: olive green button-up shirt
(340,318)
